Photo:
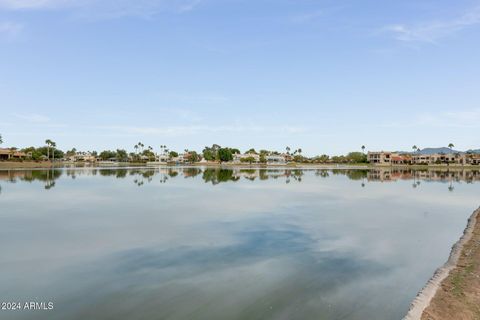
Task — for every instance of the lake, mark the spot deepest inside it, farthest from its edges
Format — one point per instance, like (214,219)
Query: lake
(212,243)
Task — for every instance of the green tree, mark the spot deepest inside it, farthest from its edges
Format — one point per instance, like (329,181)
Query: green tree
(107,154)
(72,152)
(249,159)
(298,158)
(339,159)
(322,159)
(363,149)
(149,154)
(209,154)
(451,146)
(122,155)
(357,157)
(58,154)
(225,154)
(1,140)
(193,157)
(173,154)
(35,154)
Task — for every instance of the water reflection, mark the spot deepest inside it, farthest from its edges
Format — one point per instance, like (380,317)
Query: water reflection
(219,175)
(227,243)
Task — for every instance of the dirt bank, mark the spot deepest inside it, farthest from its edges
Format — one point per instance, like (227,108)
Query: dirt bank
(453,293)
(25,164)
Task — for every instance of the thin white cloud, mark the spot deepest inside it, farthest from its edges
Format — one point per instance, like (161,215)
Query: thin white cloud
(202,129)
(200,98)
(10,30)
(447,119)
(306,17)
(35,4)
(432,31)
(189,5)
(104,8)
(317,14)
(32,117)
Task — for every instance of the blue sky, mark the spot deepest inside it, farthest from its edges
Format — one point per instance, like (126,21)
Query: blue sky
(325,76)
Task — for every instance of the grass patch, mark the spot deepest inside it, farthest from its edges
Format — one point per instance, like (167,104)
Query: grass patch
(458,280)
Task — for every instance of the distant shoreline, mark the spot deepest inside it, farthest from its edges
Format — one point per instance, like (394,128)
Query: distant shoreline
(58,165)
(47,164)
(451,290)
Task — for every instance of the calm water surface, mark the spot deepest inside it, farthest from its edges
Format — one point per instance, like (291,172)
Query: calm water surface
(197,243)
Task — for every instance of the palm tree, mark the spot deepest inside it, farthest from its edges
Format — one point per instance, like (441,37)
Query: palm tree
(450,146)
(415,148)
(363,149)
(288,150)
(48,142)
(300,151)
(136,148)
(12,152)
(1,141)
(53,144)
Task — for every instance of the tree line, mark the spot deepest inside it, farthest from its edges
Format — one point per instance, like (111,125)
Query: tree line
(215,153)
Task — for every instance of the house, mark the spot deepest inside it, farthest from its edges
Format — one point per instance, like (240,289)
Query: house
(397,159)
(276,159)
(288,157)
(181,158)
(240,158)
(441,158)
(380,157)
(421,159)
(162,158)
(472,158)
(388,158)
(10,154)
(82,157)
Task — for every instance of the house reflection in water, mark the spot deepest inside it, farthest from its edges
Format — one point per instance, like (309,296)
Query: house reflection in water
(392,174)
(217,175)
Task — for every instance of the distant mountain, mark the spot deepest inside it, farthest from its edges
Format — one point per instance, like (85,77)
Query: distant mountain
(429,151)
(438,150)
(476,151)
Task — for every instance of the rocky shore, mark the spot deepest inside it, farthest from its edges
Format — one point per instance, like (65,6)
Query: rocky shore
(453,293)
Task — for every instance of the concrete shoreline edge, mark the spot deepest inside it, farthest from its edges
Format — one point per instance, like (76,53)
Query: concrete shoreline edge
(428,292)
